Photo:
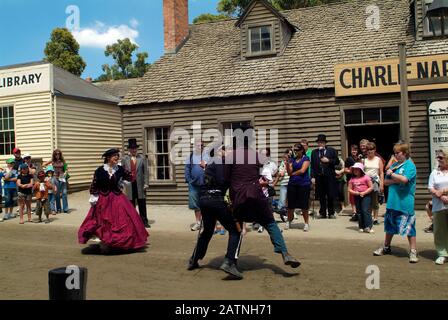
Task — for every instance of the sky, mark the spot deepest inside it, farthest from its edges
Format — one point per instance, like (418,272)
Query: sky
(26,25)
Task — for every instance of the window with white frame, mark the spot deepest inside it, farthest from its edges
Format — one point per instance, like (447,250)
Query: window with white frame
(158,146)
(7,134)
(260,39)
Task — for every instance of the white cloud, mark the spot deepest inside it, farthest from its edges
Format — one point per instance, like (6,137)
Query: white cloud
(101,35)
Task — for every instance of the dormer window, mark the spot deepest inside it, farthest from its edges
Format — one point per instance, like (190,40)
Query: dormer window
(260,39)
(435,24)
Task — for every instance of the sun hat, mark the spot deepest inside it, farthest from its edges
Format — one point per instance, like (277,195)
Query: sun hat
(49,168)
(358,165)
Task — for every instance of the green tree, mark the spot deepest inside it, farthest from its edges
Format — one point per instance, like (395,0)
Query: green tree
(63,51)
(208,17)
(124,68)
(235,8)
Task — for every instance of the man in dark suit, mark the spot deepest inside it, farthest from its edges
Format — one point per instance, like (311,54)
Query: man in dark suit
(323,161)
(137,165)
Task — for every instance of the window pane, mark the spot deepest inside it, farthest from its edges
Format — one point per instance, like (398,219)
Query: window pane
(11,112)
(2,149)
(265,33)
(4,112)
(5,124)
(167,173)
(353,116)
(371,116)
(255,34)
(435,25)
(160,160)
(390,115)
(160,174)
(2,137)
(266,45)
(159,147)
(11,123)
(255,46)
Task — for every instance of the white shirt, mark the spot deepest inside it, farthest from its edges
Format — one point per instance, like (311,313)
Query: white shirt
(439,181)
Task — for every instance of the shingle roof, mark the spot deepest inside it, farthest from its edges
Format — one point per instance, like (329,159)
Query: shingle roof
(209,65)
(68,84)
(117,88)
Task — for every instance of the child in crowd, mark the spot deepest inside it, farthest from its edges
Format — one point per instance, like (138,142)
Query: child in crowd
(360,186)
(25,187)
(49,171)
(10,188)
(41,189)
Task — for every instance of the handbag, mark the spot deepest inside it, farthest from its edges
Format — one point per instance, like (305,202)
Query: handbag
(271,191)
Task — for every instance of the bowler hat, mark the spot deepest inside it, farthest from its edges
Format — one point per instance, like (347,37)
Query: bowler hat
(132,143)
(321,138)
(110,152)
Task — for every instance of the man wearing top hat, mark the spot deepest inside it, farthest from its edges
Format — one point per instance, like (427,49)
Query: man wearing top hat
(323,161)
(137,165)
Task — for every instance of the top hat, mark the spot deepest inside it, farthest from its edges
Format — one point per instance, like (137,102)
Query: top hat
(321,138)
(132,143)
(110,152)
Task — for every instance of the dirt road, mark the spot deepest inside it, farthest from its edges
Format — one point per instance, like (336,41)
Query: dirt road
(332,268)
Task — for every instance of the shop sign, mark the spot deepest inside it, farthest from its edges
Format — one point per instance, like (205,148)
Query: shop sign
(383,76)
(438,129)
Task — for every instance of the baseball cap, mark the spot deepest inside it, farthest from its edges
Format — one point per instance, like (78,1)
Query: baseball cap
(49,168)
(26,155)
(16,150)
(11,160)
(23,166)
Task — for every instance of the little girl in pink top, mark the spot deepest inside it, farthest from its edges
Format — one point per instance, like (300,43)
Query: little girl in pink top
(360,186)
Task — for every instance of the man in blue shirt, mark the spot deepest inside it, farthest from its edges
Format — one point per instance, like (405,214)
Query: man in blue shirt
(194,175)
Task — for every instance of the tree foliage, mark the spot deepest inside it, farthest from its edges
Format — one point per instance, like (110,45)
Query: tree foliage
(208,17)
(235,8)
(124,68)
(63,51)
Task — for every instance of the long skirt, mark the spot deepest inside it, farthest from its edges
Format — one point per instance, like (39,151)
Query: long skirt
(115,221)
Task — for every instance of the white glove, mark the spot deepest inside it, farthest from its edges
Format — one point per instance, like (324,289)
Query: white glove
(93,199)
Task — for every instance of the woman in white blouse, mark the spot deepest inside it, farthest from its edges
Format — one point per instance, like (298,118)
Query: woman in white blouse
(438,186)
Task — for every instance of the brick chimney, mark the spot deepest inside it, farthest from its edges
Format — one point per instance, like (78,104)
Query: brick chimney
(175,19)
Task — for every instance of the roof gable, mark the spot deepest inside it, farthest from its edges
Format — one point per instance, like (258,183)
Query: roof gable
(268,6)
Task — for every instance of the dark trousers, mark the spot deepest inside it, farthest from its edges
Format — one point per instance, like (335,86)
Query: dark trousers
(326,192)
(259,210)
(141,202)
(363,210)
(214,209)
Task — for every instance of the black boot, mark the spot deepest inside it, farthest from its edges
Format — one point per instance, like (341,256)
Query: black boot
(289,260)
(230,268)
(192,264)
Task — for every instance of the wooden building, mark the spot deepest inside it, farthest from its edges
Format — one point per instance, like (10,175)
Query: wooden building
(285,70)
(43,107)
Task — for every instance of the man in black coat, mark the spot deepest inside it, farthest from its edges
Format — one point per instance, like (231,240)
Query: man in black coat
(323,162)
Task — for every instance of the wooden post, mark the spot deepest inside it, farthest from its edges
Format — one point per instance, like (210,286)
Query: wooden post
(67,283)
(404,101)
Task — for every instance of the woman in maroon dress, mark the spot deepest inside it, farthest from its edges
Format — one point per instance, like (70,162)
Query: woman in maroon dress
(112,218)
